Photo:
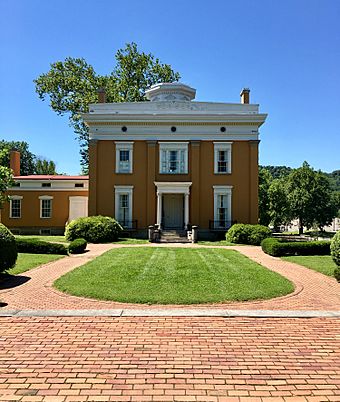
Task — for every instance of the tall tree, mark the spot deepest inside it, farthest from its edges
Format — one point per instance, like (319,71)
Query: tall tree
(27,158)
(309,196)
(265,179)
(44,166)
(72,85)
(278,208)
(6,179)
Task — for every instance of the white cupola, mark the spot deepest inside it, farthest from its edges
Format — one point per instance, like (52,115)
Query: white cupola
(170,91)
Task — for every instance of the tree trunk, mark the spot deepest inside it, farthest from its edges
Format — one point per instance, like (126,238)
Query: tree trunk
(300,226)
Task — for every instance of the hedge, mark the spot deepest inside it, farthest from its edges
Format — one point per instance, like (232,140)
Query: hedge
(94,229)
(40,247)
(278,248)
(335,253)
(247,234)
(8,249)
(77,246)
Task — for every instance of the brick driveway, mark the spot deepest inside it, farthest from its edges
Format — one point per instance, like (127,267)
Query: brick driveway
(313,291)
(169,359)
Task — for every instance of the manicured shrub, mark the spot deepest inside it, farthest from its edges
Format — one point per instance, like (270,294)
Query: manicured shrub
(77,246)
(278,248)
(335,248)
(94,229)
(335,253)
(8,249)
(247,234)
(40,247)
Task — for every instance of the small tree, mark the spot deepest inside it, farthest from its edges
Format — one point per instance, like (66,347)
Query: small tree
(309,197)
(6,180)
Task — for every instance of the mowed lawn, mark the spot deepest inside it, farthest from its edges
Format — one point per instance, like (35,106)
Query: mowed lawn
(173,276)
(28,261)
(320,263)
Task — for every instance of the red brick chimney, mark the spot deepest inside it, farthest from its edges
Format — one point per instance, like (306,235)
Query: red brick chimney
(245,95)
(14,162)
(101,95)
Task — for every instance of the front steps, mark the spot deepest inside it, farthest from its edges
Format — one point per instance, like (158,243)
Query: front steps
(174,236)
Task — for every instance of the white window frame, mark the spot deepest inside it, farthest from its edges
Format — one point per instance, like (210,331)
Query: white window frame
(222,190)
(222,146)
(12,198)
(173,146)
(126,190)
(46,197)
(124,146)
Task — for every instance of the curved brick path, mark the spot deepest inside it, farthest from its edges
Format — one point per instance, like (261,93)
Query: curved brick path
(313,291)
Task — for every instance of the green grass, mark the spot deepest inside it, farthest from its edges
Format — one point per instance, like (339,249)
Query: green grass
(320,263)
(215,243)
(58,239)
(26,262)
(173,276)
(130,240)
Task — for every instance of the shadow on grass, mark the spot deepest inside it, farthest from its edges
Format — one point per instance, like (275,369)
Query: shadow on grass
(12,281)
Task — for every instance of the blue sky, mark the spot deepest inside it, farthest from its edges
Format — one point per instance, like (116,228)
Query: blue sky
(287,52)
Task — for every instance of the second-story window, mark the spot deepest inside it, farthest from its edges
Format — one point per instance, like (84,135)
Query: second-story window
(124,153)
(173,158)
(222,157)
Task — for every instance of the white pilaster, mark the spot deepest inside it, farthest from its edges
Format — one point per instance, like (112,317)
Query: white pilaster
(186,210)
(159,209)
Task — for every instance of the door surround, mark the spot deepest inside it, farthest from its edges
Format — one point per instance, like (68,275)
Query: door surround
(173,188)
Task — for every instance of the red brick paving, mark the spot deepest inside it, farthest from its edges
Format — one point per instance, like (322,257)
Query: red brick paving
(313,291)
(169,359)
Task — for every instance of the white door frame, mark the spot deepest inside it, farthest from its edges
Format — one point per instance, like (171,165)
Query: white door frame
(173,188)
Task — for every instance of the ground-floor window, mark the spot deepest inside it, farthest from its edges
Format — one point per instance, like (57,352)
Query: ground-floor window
(222,206)
(46,206)
(15,207)
(123,205)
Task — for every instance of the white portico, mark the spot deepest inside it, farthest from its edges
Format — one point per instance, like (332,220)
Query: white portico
(173,204)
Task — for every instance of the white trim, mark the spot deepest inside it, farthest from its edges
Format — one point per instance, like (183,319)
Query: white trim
(15,198)
(47,189)
(124,146)
(46,197)
(124,190)
(223,190)
(173,146)
(171,187)
(222,146)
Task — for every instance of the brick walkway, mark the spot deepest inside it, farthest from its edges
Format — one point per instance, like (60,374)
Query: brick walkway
(313,291)
(169,359)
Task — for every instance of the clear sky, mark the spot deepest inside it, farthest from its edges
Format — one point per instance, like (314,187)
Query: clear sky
(286,52)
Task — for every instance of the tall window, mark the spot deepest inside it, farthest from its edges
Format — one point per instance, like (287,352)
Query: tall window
(222,157)
(46,206)
(173,158)
(123,205)
(15,207)
(222,207)
(124,153)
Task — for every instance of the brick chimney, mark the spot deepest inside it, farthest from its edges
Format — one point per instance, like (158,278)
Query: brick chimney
(14,162)
(101,95)
(245,95)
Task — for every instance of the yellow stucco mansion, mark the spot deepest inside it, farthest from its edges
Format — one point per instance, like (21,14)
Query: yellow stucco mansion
(172,161)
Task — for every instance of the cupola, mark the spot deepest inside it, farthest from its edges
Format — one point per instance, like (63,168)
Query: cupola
(170,91)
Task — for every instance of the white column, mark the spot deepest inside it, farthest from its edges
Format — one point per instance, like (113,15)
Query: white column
(159,209)
(186,210)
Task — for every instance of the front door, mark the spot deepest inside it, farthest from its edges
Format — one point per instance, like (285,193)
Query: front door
(173,211)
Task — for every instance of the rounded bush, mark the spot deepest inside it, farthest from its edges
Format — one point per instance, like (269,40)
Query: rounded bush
(247,234)
(8,249)
(335,248)
(94,229)
(77,246)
